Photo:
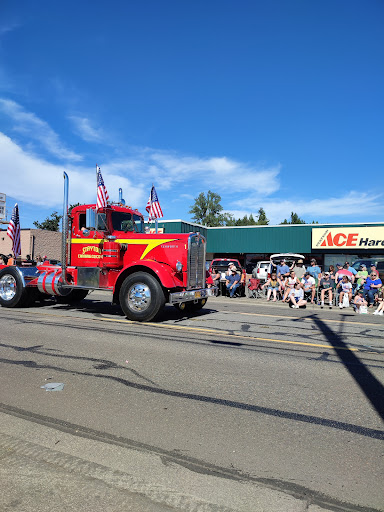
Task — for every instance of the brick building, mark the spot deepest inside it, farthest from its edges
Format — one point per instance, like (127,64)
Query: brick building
(34,242)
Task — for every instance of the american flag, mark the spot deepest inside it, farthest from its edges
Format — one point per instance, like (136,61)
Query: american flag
(153,206)
(102,194)
(13,231)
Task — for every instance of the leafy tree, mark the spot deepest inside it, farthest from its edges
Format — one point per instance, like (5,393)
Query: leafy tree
(295,219)
(262,217)
(50,223)
(207,210)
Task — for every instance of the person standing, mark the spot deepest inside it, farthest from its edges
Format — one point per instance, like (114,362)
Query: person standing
(299,269)
(282,270)
(314,270)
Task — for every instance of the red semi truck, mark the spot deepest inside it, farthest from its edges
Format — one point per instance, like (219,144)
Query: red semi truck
(109,250)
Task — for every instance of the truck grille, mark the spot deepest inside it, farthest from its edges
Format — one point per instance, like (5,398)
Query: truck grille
(196,261)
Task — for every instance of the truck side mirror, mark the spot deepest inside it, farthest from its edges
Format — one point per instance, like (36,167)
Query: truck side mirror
(90,219)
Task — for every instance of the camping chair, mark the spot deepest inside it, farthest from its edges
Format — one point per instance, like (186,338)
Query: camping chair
(254,289)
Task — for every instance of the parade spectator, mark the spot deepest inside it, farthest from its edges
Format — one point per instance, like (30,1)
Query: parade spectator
(314,270)
(229,269)
(345,287)
(380,309)
(360,301)
(343,271)
(215,275)
(39,260)
(11,260)
(326,285)
(233,281)
(309,286)
(289,285)
(374,269)
(371,286)
(299,269)
(351,269)
(273,285)
(297,297)
(2,260)
(282,270)
(332,274)
(361,274)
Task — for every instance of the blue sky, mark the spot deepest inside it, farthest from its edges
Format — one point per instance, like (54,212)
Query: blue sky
(271,103)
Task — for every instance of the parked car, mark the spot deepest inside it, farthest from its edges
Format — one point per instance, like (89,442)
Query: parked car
(289,258)
(262,270)
(221,265)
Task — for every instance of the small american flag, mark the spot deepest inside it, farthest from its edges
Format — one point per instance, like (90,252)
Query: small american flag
(102,194)
(13,231)
(153,206)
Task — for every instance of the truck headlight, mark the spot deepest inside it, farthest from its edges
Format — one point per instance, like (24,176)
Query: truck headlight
(179,266)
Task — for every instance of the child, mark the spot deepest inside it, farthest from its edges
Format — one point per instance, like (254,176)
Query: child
(360,301)
(380,309)
(297,297)
(346,288)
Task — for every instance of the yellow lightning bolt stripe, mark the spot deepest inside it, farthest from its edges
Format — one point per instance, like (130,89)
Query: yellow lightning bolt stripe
(151,243)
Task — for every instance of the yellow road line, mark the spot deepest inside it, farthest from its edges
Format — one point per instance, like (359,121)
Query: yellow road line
(304,318)
(201,329)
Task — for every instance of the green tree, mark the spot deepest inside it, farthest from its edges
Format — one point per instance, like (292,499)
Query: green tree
(50,223)
(207,210)
(295,219)
(262,217)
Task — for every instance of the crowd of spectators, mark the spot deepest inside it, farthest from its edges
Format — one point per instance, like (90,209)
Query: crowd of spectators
(298,285)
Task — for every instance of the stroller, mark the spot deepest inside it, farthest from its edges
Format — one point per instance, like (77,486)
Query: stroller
(254,289)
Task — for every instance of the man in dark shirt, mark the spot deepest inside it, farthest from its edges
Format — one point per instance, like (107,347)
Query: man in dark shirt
(233,282)
(326,287)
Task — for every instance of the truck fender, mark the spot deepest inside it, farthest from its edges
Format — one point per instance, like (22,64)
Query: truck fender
(162,272)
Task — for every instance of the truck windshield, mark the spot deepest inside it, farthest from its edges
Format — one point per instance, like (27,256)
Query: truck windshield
(127,222)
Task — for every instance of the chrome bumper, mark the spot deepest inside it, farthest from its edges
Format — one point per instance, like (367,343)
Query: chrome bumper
(191,295)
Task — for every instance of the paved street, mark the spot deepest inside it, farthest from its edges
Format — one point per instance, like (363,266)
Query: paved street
(245,406)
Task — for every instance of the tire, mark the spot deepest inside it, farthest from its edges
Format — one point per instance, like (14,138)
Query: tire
(191,306)
(141,297)
(72,297)
(13,293)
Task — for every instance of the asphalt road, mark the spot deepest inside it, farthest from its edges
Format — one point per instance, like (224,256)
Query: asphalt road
(245,406)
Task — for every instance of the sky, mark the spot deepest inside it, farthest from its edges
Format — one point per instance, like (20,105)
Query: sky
(275,104)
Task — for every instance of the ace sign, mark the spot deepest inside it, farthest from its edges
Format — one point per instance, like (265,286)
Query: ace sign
(348,238)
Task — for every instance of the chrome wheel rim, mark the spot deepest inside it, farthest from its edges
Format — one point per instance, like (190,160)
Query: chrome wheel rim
(139,297)
(7,287)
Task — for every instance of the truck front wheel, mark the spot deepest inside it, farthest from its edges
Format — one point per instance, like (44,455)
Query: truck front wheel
(13,293)
(141,297)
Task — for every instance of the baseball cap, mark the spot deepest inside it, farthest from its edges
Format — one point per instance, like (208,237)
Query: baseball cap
(373,265)
(300,261)
(326,273)
(339,265)
(234,268)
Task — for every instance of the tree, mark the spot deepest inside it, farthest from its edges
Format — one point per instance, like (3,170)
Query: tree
(262,217)
(207,210)
(295,219)
(50,223)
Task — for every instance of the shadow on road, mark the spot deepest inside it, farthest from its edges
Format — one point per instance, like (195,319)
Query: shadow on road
(368,383)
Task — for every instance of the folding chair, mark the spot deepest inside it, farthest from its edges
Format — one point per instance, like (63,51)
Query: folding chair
(254,289)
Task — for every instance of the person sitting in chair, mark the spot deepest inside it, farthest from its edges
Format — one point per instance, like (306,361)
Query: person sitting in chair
(233,281)
(309,286)
(274,285)
(326,285)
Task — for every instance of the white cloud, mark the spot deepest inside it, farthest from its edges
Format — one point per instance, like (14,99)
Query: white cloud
(36,181)
(85,130)
(29,125)
(356,204)
(216,173)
